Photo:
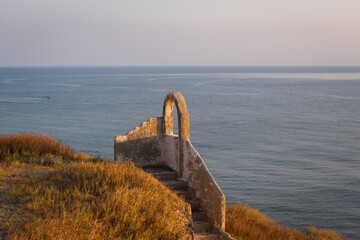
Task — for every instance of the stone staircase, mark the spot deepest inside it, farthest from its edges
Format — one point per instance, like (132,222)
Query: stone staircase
(202,227)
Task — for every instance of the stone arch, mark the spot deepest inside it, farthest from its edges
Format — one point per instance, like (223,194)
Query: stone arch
(183,115)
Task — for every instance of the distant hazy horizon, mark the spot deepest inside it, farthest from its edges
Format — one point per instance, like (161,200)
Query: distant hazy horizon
(170,66)
(183,33)
(199,65)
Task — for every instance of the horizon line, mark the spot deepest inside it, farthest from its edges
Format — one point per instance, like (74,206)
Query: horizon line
(79,66)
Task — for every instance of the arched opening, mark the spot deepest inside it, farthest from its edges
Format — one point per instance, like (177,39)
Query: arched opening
(177,99)
(175,123)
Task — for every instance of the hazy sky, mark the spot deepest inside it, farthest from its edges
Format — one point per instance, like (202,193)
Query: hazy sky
(169,32)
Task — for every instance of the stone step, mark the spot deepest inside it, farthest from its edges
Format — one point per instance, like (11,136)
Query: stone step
(175,184)
(206,236)
(202,226)
(198,214)
(165,175)
(161,172)
(187,193)
(151,169)
(194,202)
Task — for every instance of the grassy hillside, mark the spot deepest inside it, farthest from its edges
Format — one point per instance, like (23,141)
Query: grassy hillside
(47,191)
(247,223)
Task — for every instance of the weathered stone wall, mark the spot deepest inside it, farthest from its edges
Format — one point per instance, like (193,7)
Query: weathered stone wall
(207,190)
(170,151)
(141,145)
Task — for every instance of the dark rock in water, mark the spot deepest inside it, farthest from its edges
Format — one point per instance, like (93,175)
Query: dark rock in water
(45,97)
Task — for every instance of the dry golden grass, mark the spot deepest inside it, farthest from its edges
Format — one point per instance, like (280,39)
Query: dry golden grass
(322,234)
(246,223)
(29,144)
(82,197)
(31,148)
(86,200)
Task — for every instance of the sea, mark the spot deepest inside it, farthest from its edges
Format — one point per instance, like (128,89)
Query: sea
(285,140)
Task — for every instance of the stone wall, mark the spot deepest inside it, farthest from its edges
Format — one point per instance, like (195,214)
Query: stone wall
(141,145)
(207,190)
(170,151)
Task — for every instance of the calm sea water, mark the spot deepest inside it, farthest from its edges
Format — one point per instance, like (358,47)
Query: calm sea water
(285,139)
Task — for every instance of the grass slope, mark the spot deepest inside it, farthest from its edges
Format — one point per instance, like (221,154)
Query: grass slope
(247,223)
(47,191)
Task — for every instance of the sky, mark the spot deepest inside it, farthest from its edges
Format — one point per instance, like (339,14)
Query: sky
(178,33)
